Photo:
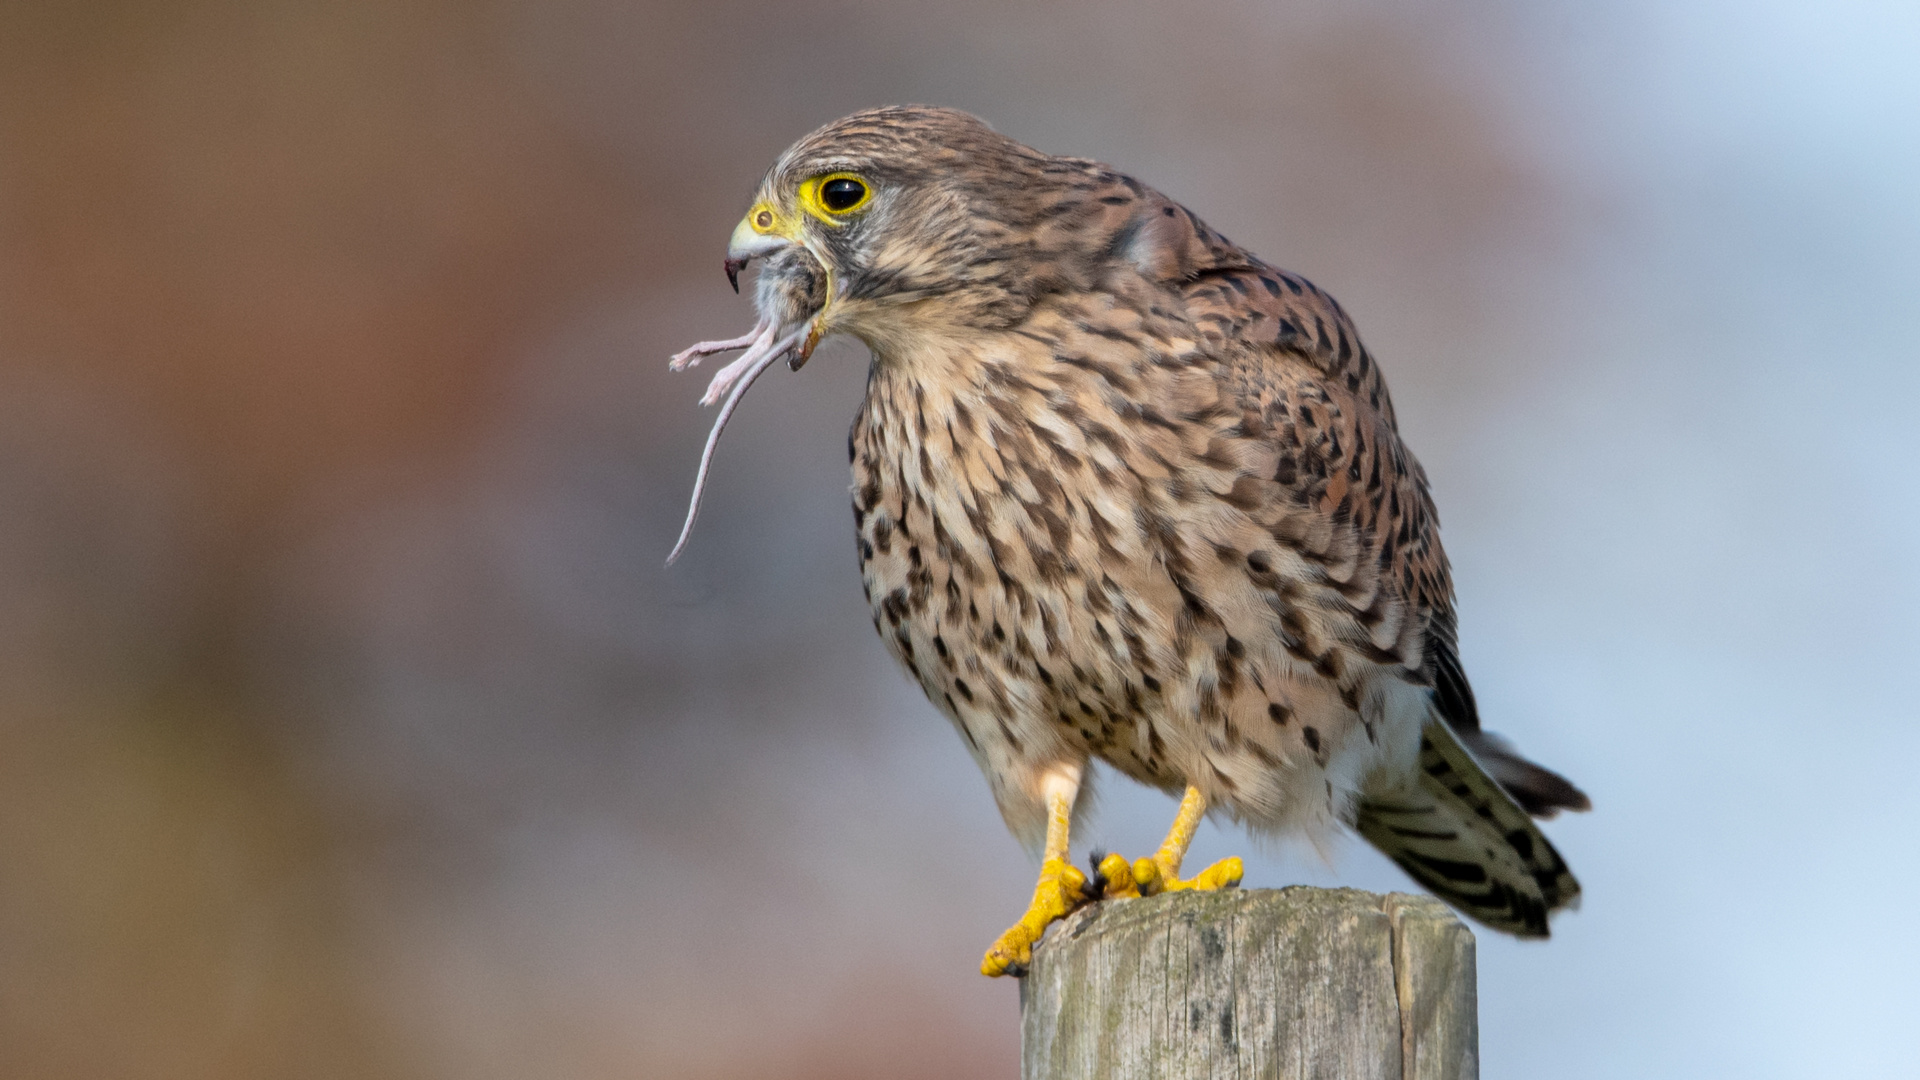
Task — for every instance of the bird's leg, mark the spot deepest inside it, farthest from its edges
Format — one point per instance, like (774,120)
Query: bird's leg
(1062,887)
(1161,873)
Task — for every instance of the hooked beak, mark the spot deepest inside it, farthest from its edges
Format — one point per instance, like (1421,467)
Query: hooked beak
(748,244)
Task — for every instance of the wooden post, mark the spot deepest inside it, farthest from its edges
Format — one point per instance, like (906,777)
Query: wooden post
(1256,983)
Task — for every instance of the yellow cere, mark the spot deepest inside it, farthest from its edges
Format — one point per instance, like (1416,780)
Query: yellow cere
(810,197)
(764,220)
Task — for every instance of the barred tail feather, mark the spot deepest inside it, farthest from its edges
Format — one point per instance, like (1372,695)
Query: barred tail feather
(1463,837)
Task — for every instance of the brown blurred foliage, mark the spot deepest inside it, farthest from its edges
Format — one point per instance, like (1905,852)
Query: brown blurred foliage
(259,260)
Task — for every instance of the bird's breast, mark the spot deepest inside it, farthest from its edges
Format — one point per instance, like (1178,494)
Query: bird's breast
(1001,578)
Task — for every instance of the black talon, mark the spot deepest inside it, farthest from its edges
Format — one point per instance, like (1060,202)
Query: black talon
(1097,881)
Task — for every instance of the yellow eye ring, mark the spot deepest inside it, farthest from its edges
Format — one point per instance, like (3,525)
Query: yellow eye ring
(835,195)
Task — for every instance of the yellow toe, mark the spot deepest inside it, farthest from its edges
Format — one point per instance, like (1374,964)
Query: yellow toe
(1225,874)
(1117,878)
(1146,877)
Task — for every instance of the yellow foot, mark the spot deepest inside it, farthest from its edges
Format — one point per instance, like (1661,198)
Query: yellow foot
(1062,889)
(1154,876)
(1120,880)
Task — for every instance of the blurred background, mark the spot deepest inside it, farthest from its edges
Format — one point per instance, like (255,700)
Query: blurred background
(351,726)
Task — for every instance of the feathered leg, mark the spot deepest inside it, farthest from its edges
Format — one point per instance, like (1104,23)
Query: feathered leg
(1061,889)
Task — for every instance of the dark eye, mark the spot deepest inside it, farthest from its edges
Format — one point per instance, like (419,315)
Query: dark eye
(842,193)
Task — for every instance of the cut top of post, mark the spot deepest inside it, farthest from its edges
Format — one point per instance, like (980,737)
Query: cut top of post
(1296,982)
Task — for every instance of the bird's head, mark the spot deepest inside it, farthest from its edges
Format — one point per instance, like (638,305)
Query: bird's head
(877,225)
(892,216)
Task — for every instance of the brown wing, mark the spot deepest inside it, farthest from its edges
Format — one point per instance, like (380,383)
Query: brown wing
(1357,498)
(1305,382)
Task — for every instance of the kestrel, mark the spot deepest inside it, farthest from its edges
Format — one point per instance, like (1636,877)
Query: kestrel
(1125,491)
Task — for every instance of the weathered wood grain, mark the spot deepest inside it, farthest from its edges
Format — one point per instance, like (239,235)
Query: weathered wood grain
(1256,983)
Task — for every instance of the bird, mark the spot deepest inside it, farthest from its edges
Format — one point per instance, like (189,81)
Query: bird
(1125,492)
